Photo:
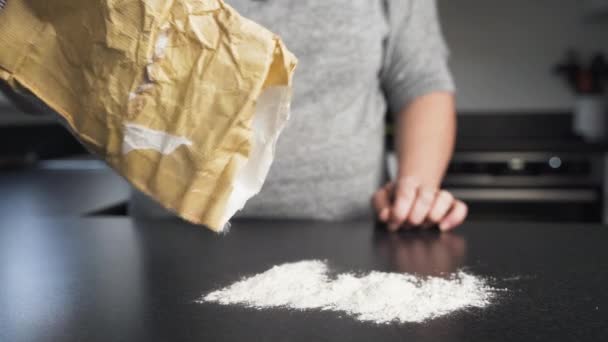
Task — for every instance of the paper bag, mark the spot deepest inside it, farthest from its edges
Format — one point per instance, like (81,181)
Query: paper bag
(184,98)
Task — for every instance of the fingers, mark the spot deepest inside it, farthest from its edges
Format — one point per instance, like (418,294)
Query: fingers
(455,217)
(382,202)
(405,204)
(443,202)
(405,195)
(421,207)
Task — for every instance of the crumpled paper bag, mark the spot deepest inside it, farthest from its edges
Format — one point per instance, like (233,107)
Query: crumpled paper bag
(184,98)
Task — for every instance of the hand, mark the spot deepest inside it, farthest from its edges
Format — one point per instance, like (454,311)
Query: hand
(407,204)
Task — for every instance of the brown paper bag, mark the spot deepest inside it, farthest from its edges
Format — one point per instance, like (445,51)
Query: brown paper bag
(184,98)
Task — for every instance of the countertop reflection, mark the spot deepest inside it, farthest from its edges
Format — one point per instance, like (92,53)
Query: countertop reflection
(427,253)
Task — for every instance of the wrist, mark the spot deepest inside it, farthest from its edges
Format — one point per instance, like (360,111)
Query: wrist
(422,180)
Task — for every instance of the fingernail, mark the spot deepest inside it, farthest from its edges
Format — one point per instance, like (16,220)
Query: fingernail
(443,226)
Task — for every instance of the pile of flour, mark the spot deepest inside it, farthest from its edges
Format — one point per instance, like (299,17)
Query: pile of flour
(375,297)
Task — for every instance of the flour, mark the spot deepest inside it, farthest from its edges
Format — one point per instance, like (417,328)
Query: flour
(376,297)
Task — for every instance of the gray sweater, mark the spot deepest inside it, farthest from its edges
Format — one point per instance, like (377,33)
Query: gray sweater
(358,59)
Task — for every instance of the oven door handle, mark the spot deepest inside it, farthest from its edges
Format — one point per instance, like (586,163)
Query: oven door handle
(526,195)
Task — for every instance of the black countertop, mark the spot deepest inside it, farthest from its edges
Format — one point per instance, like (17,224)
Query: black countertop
(114,279)
(61,188)
(547,131)
(522,132)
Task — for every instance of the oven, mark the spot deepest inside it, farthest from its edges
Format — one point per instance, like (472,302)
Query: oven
(529,186)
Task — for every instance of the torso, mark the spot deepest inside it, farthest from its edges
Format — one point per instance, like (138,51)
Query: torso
(329,158)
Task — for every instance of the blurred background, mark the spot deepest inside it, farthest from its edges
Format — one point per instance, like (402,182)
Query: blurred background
(532,111)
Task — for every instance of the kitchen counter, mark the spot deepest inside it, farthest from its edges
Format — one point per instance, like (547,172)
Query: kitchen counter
(111,279)
(549,132)
(61,188)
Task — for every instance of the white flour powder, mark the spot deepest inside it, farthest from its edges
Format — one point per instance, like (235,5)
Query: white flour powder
(376,297)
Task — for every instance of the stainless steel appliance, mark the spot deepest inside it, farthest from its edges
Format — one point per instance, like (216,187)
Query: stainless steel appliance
(537,186)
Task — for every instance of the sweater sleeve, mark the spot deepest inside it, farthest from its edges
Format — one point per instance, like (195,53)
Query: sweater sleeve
(416,55)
